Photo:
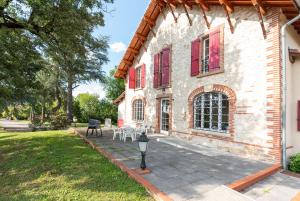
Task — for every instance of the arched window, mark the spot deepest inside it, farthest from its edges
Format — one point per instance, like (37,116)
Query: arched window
(211,112)
(138,110)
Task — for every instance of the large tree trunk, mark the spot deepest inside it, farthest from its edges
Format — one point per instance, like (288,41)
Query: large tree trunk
(70,99)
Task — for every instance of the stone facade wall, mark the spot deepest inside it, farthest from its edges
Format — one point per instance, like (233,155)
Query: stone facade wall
(121,110)
(293,93)
(246,74)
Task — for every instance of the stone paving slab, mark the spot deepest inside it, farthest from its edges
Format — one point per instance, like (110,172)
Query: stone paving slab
(181,173)
(223,193)
(279,187)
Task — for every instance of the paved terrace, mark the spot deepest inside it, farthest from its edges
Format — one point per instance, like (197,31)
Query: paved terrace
(181,171)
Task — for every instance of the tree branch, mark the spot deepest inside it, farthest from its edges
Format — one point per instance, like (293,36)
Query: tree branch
(11,25)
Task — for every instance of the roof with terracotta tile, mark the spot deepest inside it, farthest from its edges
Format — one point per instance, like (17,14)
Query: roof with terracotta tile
(289,8)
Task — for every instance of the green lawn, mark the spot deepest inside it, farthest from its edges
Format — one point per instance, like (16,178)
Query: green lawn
(79,125)
(55,165)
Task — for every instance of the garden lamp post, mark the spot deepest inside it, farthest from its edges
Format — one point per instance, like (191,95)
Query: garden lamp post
(143,144)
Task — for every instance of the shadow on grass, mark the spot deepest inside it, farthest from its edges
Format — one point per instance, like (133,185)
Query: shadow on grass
(56,165)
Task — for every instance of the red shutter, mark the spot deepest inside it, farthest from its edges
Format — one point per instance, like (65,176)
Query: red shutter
(195,58)
(156,71)
(298,116)
(131,78)
(214,50)
(165,67)
(143,77)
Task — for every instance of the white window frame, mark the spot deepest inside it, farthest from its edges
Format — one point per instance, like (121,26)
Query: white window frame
(138,77)
(138,110)
(205,55)
(201,104)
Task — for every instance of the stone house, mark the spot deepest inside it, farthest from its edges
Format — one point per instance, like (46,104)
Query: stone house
(210,72)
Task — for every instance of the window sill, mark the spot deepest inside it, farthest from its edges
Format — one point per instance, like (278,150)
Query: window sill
(163,87)
(210,73)
(138,89)
(224,134)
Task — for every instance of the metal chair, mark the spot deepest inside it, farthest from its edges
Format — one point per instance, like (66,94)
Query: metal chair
(117,131)
(128,132)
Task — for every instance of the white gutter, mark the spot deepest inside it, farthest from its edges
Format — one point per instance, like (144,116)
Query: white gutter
(284,88)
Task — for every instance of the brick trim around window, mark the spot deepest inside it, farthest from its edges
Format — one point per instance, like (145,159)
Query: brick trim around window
(144,104)
(215,88)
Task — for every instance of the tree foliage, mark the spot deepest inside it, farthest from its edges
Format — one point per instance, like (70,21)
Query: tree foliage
(19,63)
(55,37)
(88,106)
(113,87)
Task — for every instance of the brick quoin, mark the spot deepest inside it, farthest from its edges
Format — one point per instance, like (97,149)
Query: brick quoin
(274,84)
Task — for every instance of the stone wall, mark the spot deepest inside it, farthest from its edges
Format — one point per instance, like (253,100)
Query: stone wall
(293,93)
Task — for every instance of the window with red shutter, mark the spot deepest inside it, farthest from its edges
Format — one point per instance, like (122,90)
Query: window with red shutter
(143,76)
(195,57)
(162,68)
(165,67)
(156,71)
(298,116)
(132,78)
(214,50)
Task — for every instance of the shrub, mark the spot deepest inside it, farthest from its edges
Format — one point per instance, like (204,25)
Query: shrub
(36,122)
(294,165)
(58,121)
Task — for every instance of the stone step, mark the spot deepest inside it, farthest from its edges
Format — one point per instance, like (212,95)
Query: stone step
(224,193)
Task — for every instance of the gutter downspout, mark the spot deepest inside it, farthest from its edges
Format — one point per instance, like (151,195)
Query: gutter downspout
(284,88)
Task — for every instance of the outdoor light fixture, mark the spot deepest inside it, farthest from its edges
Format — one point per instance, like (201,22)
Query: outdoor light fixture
(143,144)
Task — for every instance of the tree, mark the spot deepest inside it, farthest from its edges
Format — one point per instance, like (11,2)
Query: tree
(113,87)
(49,90)
(89,107)
(49,19)
(80,66)
(19,63)
(63,30)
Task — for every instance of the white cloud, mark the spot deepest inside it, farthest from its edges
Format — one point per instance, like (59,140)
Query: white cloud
(117,47)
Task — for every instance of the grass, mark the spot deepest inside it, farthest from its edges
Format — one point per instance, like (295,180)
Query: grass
(55,165)
(79,125)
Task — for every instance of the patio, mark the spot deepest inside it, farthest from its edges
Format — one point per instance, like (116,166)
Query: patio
(182,172)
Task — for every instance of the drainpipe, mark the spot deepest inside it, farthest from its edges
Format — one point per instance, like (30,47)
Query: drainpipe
(284,88)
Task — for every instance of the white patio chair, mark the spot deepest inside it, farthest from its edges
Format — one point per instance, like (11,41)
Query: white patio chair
(128,132)
(141,129)
(117,131)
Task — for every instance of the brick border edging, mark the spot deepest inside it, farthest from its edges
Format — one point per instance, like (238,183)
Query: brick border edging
(153,190)
(292,174)
(248,181)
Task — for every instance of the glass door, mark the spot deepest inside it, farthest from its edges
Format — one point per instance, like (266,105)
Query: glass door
(164,118)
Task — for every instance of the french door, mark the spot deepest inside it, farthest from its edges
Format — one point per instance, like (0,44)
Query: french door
(164,116)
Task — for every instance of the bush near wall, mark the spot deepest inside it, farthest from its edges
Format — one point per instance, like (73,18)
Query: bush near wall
(294,165)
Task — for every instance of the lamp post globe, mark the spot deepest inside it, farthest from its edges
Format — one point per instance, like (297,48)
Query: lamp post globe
(143,145)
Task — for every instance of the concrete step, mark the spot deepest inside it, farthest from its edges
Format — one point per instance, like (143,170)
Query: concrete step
(224,193)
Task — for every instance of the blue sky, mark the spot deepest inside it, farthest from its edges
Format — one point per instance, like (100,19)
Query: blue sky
(120,25)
